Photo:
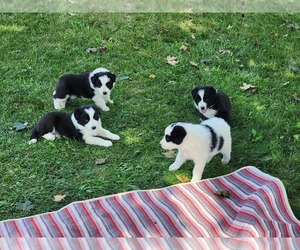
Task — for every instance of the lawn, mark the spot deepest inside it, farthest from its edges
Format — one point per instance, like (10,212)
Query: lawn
(222,50)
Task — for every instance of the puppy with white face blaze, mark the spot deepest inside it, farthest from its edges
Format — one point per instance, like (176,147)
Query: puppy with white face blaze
(96,85)
(84,124)
(198,142)
(211,102)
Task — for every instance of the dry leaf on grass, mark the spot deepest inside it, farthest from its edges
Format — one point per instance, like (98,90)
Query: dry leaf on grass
(247,86)
(182,178)
(152,76)
(59,197)
(185,49)
(100,161)
(170,154)
(224,51)
(172,60)
(193,63)
(93,50)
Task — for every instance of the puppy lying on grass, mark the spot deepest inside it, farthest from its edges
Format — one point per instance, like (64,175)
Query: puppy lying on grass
(84,124)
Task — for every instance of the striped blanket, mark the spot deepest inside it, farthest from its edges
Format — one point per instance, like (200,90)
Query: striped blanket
(246,203)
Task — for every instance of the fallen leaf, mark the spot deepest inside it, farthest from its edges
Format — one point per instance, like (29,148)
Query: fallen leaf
(185,49)
(294,68)
(170,154)
(152,76)
(266,158)
(223,193)
(297,97)
(294,26)
(120,78)
(206,61)
(172,60)
(25,206)
(38,103)
(100,161)
(59,197)
(91,50)
(225,51)
(20,126)
(247,86)
(193,36)
(182,178)
(193,63)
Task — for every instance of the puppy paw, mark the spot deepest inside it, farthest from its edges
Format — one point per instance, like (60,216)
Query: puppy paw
(106,143)
(115,137)
(225,161)
(194,179)
(174,167)
(32,141)
(105,108)
(49,136)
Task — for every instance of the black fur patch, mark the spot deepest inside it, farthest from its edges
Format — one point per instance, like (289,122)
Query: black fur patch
(221,143)
(177,135)
(213,138)
(95,80)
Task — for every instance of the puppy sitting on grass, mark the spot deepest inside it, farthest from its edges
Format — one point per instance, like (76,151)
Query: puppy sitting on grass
(198,142)
(84,124)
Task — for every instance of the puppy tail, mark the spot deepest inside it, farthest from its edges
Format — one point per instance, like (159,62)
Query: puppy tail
(34,136)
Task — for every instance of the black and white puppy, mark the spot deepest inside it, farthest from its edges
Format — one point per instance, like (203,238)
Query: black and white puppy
(84,123)
(198,142)
(96,85)
(211,102)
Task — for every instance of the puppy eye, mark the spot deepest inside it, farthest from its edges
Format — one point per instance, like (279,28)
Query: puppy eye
(168,138)
(87,119)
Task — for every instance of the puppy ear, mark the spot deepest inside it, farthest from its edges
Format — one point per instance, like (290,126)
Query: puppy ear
(178,134)
(94,78)
(195,92)
(213,90)
(97,109)
(112,76)
(77,113)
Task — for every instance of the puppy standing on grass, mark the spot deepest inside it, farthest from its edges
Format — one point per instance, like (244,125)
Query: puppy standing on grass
(96,85)
(84,123)
(211,102)
(198,142)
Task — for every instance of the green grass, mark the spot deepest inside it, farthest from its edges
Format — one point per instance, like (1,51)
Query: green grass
(36,49)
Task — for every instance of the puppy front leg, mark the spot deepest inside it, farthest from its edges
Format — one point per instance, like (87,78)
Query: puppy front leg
(198,171)
(107,134)
(97,141)
(100,103)
(180,159)
(109,100)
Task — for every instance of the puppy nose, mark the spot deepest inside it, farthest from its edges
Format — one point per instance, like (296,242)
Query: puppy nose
(94,127)
(202,108)
(104,93)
